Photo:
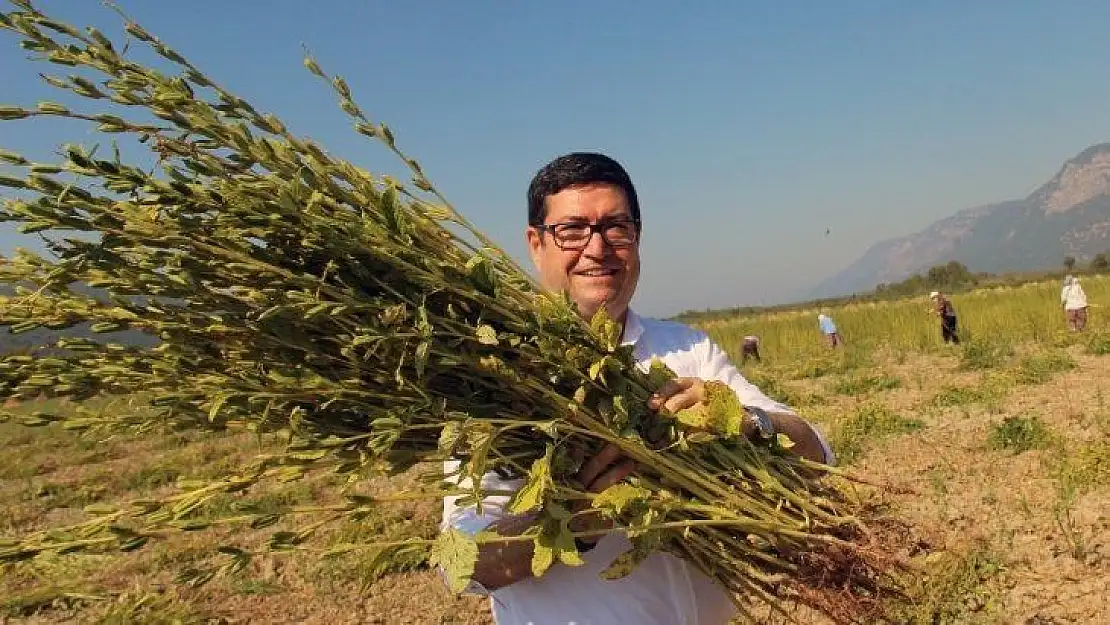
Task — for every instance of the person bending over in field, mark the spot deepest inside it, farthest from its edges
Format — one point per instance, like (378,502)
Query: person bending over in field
(750,349)
(828,329)
(583,236)
(1074,301)
(943,309)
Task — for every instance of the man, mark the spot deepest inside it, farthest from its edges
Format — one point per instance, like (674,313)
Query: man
(943,309)
(1074,301)
(828,328)
(583,236)
(750,349)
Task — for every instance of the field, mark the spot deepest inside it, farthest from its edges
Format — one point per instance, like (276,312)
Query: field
(997,451)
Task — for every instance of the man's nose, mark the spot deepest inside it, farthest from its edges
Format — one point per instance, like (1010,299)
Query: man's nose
(597,246)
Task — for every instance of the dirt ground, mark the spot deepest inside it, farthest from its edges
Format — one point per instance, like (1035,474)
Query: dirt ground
(1013,516)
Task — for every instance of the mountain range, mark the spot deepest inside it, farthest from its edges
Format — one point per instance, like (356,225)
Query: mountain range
(1067,216)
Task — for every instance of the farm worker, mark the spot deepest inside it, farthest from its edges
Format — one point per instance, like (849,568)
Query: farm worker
(583,236)
(750,349)
(943,308)
(1074,301)
(828,328)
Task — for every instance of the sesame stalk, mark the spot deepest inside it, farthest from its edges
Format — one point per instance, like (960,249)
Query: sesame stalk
(280,289)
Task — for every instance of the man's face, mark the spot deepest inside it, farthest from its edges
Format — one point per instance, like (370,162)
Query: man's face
(597,274)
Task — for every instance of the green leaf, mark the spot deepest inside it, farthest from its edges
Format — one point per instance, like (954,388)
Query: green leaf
(556,534)
(264,520)
(568,551)
(530,495)
(99,509)
(608,329)
(338,551)
(134,543)
(283,541)
(8,113)
(196,577)
(659,373)
(642,547)
(456,554)
(217,404)
(312,66)
(12,158)
(554,541)
(619,497)
(449,436)
(486,335)
(598,368)
(421,359)
(316,310)
(32,227)
(543,556)
(480,270)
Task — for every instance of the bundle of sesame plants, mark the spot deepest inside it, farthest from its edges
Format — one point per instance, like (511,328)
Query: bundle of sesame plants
(365,320)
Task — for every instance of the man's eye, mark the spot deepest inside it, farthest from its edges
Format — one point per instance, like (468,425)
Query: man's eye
(574,230)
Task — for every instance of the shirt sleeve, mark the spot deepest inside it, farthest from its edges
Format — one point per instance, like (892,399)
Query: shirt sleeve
(718,367)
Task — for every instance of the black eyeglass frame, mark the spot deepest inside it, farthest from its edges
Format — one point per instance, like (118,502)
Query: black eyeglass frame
(598,228)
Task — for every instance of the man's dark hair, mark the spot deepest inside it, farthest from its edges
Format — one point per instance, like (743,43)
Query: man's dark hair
(572,170)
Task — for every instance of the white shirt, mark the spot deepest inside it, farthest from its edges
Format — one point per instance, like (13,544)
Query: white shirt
(662,590)
(1073,297)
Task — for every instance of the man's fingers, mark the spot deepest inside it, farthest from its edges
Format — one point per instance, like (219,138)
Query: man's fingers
(613,475)
(691,392)
(669,389)
(595,465)
(685,399)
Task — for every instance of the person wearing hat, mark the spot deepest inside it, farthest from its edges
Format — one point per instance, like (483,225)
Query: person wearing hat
(947,315)
(1074,301)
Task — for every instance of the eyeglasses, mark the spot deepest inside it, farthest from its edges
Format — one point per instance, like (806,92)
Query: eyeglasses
(576,235)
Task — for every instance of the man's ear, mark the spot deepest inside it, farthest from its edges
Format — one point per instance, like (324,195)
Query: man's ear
(534,238)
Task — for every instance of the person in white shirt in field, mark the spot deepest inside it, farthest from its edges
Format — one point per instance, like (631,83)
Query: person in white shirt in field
(583,236)
(1074,301)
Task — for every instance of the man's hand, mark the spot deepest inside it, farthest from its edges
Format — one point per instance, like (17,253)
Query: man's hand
(680,393)
(502,564)
(605,469)
(609,467)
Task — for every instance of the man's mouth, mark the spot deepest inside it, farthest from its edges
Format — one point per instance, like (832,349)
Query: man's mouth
(600,272)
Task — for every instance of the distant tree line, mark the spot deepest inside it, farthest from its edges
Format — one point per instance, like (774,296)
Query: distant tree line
(1099,264)
(952,276)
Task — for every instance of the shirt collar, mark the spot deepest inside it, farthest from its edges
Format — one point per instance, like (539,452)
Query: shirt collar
(633,328)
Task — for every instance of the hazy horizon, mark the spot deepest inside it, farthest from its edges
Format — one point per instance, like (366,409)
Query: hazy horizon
(748,130)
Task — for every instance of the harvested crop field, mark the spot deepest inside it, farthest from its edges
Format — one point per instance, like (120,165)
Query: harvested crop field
(1001,462)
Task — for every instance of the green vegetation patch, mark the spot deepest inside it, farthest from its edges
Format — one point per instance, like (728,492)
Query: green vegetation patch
(955,585)
(856,385)
(872,421)
(1020,434)
(981,354)
(1098,343)
(1039,368)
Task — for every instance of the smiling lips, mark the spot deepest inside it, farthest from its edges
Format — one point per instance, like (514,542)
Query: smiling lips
(599,272)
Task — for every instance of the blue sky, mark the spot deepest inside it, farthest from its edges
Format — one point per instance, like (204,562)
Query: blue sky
(748,127)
